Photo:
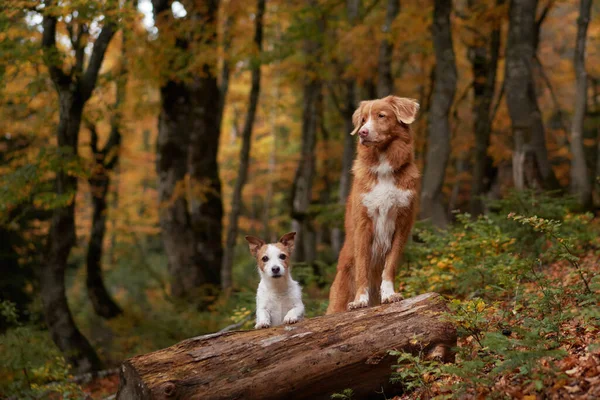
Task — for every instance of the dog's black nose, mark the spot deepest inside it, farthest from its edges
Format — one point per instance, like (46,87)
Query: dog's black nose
(275,270)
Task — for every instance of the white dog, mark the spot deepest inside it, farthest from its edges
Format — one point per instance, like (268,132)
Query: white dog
(279,297)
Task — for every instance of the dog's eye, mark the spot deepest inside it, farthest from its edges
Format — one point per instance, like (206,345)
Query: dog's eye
(381,115)
(363,120)
(265,259)
(282,256)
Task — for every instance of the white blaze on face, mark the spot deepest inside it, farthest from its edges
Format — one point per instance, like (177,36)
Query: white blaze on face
(382,203)
(369,126)
(273,252)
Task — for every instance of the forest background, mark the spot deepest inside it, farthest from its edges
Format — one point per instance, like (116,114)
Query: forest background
(141,140)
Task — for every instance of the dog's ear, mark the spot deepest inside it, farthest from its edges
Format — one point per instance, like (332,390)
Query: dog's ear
(288,240)
(254,243)
(357,117)
(405,109)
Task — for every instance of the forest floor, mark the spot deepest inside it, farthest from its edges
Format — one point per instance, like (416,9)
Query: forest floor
(574,376)
(578,374)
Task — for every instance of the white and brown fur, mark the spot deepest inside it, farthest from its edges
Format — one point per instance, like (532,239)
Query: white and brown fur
(380,209)
(279,297)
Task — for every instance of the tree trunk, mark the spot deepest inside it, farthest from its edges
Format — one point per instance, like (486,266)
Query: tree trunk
(188,176)
(301,220)
(99,296)
(303,180)
(538,134)
(596,167)
(266,217)
(311,360)
(105,161)
(484,62)
(61,239)
(73,94)
(226,67)
(236,202)
(337,235)
(385,80)
(580,181)
(527,125)
(438,150)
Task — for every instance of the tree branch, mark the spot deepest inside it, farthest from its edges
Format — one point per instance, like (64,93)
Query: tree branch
(93,135)
(497,105)
(540,21)
(52,57)
(546,80)
(369,8)
(90,76)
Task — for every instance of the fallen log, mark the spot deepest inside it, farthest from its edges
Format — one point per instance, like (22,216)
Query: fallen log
(309,360)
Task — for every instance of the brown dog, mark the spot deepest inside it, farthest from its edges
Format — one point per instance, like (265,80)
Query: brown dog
(380,210)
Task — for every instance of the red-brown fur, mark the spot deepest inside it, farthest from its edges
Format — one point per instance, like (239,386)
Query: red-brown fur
(355,271)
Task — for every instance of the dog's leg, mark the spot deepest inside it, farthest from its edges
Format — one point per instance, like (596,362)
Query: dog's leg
(388,295)
(363,239)
(342,289)
(263,319)
(295,314)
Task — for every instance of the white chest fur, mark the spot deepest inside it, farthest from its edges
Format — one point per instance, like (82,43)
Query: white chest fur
(382,203)
(278,298)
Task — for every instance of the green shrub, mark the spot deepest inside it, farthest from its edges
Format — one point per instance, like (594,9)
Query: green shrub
(32,365)
(514,314)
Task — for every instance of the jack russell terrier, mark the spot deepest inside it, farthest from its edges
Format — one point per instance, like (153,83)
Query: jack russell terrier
(279,297)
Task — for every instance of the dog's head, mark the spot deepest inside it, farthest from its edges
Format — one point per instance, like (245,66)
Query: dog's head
(379,121)
(273,259)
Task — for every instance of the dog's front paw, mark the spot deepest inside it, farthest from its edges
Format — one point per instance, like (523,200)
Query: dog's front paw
(391,298)
(361,301)
(354,305)
(262,325)
(291,319)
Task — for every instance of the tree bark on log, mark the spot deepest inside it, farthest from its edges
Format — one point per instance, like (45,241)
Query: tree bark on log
(310,360)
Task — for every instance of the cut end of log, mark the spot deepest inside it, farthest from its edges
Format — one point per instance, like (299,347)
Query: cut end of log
(310,360)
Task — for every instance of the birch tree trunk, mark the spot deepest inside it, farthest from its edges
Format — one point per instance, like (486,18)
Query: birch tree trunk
(236,202)
(444,89)
(580,180)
